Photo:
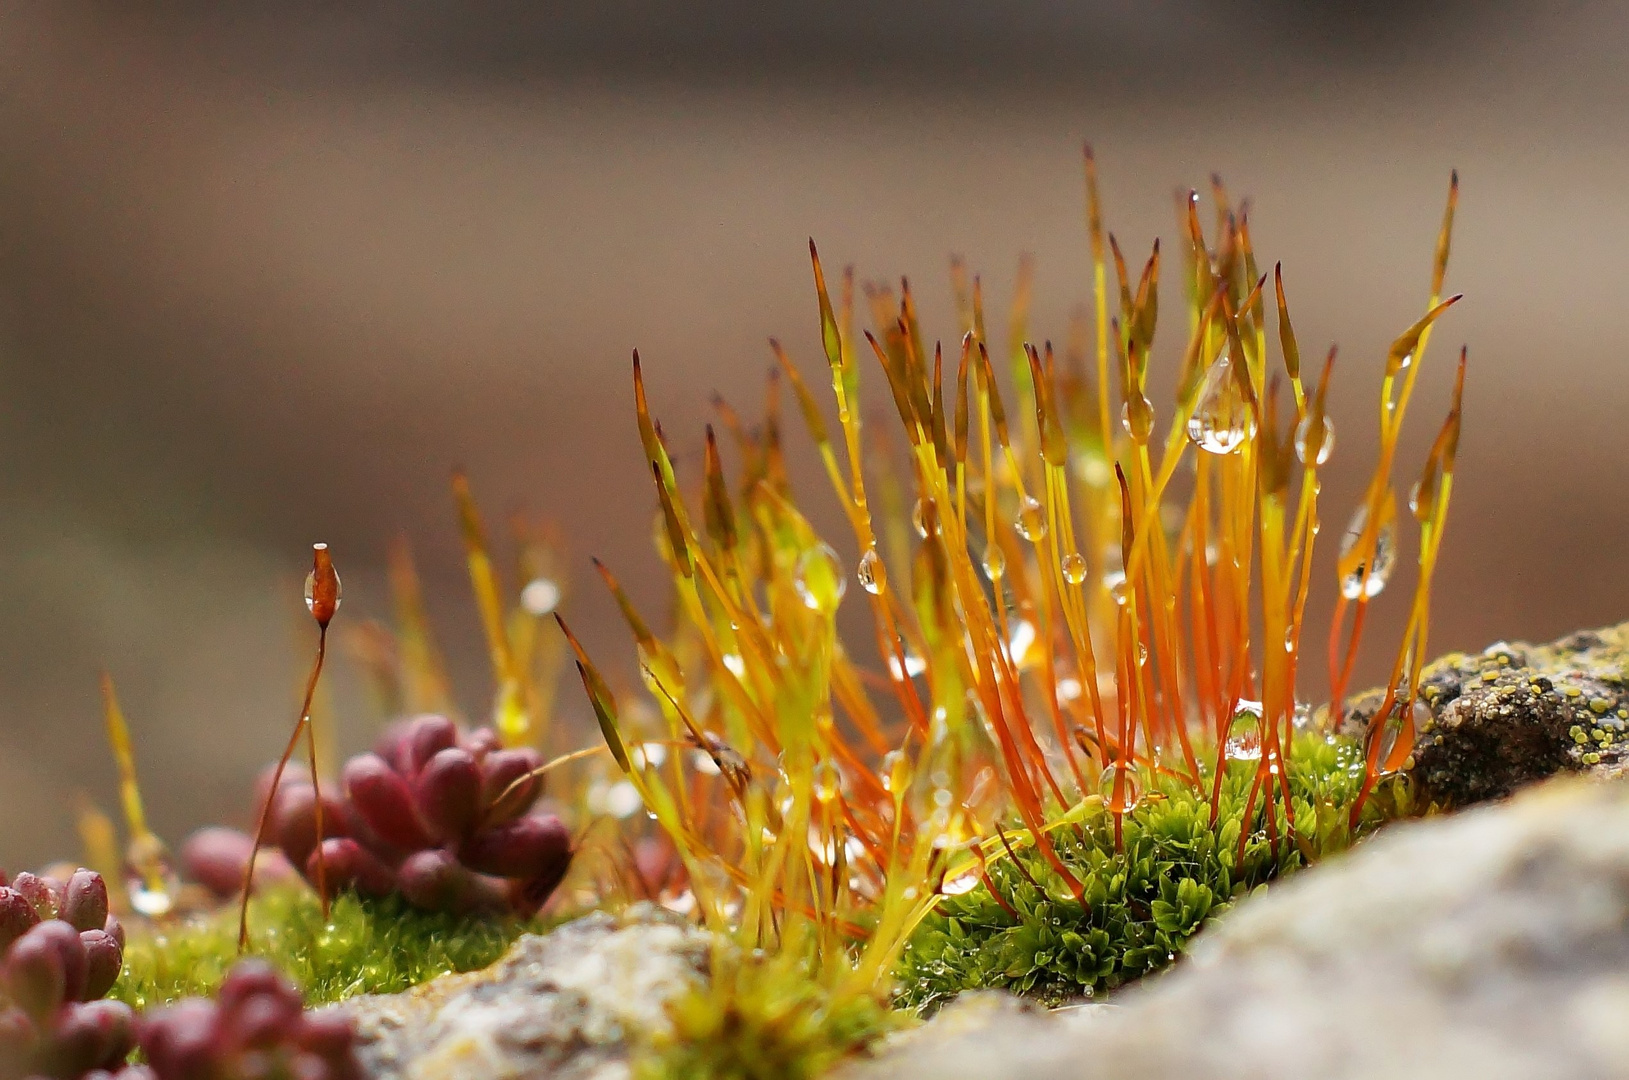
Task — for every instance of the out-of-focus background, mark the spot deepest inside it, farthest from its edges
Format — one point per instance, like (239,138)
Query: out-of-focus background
(267,272)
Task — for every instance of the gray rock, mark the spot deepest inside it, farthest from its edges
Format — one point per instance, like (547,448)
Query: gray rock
(1515,714)
(1490,944)
(562,1005)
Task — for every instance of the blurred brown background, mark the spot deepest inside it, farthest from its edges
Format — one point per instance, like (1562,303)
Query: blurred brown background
(266,275)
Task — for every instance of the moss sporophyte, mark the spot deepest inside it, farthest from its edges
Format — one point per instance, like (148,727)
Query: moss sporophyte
(1081,736)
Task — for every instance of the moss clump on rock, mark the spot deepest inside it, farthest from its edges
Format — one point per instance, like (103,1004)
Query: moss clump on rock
(365,947)
(1143,900)
(764,1017)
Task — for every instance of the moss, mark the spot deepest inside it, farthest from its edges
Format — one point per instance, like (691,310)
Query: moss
(366,947)
(1144,901)
(764,1017)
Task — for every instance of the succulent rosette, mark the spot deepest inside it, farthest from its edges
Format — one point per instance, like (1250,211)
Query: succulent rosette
(446,818)
(256,1029)
(60,952)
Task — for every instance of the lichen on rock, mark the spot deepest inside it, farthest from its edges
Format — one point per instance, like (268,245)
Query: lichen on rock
(573,1003)
(1515,714)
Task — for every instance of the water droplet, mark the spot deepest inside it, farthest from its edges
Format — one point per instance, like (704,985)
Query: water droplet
(1314,442)
(920,518)
(995,563)
(897,772)
(820,581)
(1068,689)
(1368,581)
(150,902)
(1222,419)
(1020,641)
(1244,735)
(1142,655)
(1289,639)
(962,883)
(737,666)
(914,665)
(1301,719)
(1032,520)
(827,781)
(872,573)
(1115,582)
(1074,568)
(622,799)
(540,596)
(311,591)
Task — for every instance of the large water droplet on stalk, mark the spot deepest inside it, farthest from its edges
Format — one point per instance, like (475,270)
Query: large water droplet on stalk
(540,596)
(1074,568)
(1021,640)
(919,518)
(820,581)
(311,591)
(1032,520)
(897,772)
(960,884)
(913,666)
(1222,419)
(1368,581)
(827,781)
(1314,442)
(995,563)
(1244,735)
(1115,582)
(871,572)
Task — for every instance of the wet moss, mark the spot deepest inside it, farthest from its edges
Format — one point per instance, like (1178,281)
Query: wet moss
(1144,899)
(365,947)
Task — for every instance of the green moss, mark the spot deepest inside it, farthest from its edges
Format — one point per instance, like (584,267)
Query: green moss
(367,946)
(763,1017)
(1143,902)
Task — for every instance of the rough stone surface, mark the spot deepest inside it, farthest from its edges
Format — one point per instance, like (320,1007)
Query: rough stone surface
(561,1005)
(1489,944)
(1517,713)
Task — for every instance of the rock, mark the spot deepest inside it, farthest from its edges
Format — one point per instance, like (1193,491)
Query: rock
(1489,944)
(1517,713)
(562,1005)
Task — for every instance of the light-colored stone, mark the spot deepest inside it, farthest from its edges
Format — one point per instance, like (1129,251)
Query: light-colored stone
(1491,944)
(559,1005)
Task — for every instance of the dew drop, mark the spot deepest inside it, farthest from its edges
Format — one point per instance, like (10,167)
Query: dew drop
(1032,520)
(1369,581)
(1289,639)
(540,596)
(1115,582)
(820,581)
(913,666)
(1301,719)
(960,884)
(827,781)
(1074,568)
(1068,689)
(1314,443)
(311,591)
(920,515)
(1244,738)
(1222,419)
(871,572)
(1142,655)
(1020,641)
(995,563)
